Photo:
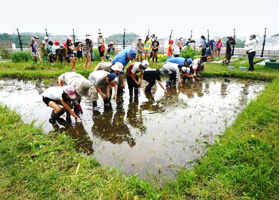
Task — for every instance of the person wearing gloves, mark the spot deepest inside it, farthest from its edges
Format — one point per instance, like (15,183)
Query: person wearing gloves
(173,71)
(124,57)
(180,61)
(251,45)
(132,78)
(109,67)
(55,96)
(151,76)
(102,82)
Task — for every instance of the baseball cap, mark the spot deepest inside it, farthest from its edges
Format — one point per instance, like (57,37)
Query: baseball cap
(185,69)
(43,42)
(118,67)
(132,53)
(145,64)
(71,92)
(171,41)
(189,61)
(46,37)
(112,76)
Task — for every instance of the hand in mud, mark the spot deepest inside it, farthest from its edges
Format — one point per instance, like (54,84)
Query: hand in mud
(78,120)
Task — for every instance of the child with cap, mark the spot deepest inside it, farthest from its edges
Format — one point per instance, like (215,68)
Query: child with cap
(110,51)
(197,66)
(169,49)
(132,77)
(55,96)
(101,82)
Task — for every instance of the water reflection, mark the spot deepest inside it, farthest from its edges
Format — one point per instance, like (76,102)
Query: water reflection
(111,127)
(77,132)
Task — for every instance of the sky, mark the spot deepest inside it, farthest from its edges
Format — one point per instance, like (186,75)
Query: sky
(220,17)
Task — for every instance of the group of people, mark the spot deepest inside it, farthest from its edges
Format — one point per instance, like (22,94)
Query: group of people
(55,52)
(149,48)
(110,75)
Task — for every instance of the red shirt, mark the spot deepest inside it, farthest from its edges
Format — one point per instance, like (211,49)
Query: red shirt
(169,50)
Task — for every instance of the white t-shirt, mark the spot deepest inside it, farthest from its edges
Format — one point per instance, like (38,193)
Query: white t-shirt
(136,67)
(172,67)
(176,50)
(54,93)
(69,77)
(195,63)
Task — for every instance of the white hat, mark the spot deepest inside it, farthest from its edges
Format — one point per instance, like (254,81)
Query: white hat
(139,38)
(145,63)
(87,36)
(118,67)
(185,69)
(46,37)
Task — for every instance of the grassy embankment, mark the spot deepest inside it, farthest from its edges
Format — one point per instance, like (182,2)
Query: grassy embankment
(244,163)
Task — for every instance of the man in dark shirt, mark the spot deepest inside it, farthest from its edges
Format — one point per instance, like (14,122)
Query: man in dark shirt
(230,42)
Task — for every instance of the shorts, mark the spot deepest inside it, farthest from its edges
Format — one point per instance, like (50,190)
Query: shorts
(70,55)
(140,52)
(47,100)
(146,51)
(155,50)
(34,54)
(107,57)
(101,53)
(79,54)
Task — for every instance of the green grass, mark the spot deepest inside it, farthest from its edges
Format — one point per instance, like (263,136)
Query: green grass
(242,164)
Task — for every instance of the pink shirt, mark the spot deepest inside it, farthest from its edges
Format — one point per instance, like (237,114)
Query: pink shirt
(219,45)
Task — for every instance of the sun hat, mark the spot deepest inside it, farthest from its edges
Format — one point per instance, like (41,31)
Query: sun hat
(145,64)
(71,92)
(112,76)
(43,42)
(118,67)
(46,37)
(132,53)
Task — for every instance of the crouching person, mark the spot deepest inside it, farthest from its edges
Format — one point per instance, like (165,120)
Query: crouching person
(173,71)
(197,66)
(54,97)
(81,85)
(101,82)
(133,79)
(110,67)
(151,76)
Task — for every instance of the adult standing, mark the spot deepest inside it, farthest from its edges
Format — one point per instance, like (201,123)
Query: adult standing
(251,45)
(229,43)
(124,57)
(101,46)
(70,53)
(203,45)
(34,49)
(87,48)
(155,47)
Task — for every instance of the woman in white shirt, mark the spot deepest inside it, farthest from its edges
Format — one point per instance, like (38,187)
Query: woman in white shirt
(251,45)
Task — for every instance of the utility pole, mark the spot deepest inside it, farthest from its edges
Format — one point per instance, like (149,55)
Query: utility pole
(170,35)
(124,38)
(47,33)
(74,35)
(148,32)
(20,42)
(208,35)
(232,53)
(191,33)
(263,41)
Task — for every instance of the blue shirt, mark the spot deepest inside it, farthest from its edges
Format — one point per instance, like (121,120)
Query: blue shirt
(178,60)
(121,57)
(204,44)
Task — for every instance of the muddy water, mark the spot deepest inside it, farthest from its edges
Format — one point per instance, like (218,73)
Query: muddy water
(152,136)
